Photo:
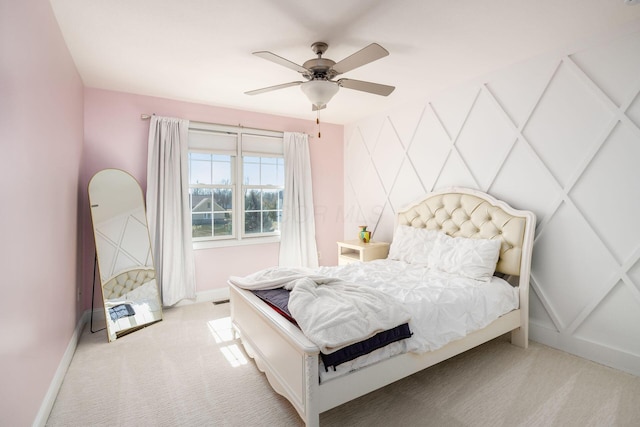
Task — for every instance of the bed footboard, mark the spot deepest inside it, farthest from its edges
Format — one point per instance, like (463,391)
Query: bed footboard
(290,361)
(280,350)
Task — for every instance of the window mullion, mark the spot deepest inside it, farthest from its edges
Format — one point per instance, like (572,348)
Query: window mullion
(239,199)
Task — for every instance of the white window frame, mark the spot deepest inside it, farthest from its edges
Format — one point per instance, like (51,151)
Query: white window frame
(245,187)
(249,137)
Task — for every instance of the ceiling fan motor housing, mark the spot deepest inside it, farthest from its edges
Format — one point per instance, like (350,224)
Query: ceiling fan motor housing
(320,69)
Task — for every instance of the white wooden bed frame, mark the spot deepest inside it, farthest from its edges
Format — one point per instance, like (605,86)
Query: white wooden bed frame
(290,360)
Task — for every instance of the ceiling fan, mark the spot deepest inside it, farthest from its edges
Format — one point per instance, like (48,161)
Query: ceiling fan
(319,73)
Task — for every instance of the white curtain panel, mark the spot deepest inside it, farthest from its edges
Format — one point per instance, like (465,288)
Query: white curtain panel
(298,230)
(168,209)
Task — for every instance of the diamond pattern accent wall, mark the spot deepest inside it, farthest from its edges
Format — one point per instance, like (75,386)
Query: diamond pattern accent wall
(559,136)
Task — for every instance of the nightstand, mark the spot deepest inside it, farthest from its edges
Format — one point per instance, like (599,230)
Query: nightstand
(354,250)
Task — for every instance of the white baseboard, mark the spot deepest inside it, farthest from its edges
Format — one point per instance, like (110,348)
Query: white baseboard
(596,352)
(214,295)
(50,397)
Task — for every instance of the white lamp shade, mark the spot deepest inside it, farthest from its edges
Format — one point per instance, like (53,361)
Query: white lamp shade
(319,92)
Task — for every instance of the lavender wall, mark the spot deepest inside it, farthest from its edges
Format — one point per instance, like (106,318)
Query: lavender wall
(41,109)
(116,137)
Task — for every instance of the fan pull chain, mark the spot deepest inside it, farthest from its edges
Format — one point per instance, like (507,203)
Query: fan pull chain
(318,122)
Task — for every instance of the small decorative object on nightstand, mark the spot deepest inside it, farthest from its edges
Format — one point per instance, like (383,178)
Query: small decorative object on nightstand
(364,235)
(354,250)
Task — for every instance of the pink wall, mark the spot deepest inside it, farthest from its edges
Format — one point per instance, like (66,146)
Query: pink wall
(41,109)
(116,137)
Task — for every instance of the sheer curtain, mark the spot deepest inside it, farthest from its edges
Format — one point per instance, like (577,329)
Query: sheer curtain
(168,210)
(298,231)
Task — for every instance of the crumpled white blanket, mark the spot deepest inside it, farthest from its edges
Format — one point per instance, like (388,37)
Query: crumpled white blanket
(340,313)
(276,277)
(331,312)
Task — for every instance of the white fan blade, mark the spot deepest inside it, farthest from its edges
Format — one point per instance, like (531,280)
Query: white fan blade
(280,61)
(369,87)
(270,88)
(364,56)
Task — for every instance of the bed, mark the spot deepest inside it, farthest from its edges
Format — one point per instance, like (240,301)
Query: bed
(292,362)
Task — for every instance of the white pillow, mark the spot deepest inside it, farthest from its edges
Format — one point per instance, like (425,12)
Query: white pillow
(412,245)
(473,258)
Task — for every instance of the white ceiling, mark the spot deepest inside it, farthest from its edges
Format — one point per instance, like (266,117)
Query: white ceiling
(200,50)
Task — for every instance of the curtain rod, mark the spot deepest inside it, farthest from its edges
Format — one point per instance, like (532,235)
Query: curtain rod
(148,116)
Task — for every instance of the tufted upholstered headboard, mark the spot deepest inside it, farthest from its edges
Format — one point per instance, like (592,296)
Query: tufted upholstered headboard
(126,281)
(463,212)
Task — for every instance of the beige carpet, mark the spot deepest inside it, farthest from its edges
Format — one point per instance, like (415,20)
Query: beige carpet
(175,373)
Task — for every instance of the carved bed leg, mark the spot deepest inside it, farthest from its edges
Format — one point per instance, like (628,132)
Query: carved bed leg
(520,336)
(311,379)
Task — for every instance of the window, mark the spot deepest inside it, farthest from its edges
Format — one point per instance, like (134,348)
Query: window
(236,184)
(263,184)
(211,193)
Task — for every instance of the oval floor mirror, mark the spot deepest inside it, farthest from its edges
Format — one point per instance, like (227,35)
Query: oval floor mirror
(123,250)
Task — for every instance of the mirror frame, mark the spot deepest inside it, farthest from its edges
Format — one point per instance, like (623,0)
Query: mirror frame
(132,279)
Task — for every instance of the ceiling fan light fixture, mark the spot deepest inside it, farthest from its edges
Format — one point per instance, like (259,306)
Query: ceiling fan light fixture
(319,72)
(319,92)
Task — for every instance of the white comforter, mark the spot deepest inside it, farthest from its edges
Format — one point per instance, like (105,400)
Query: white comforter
(442,307)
